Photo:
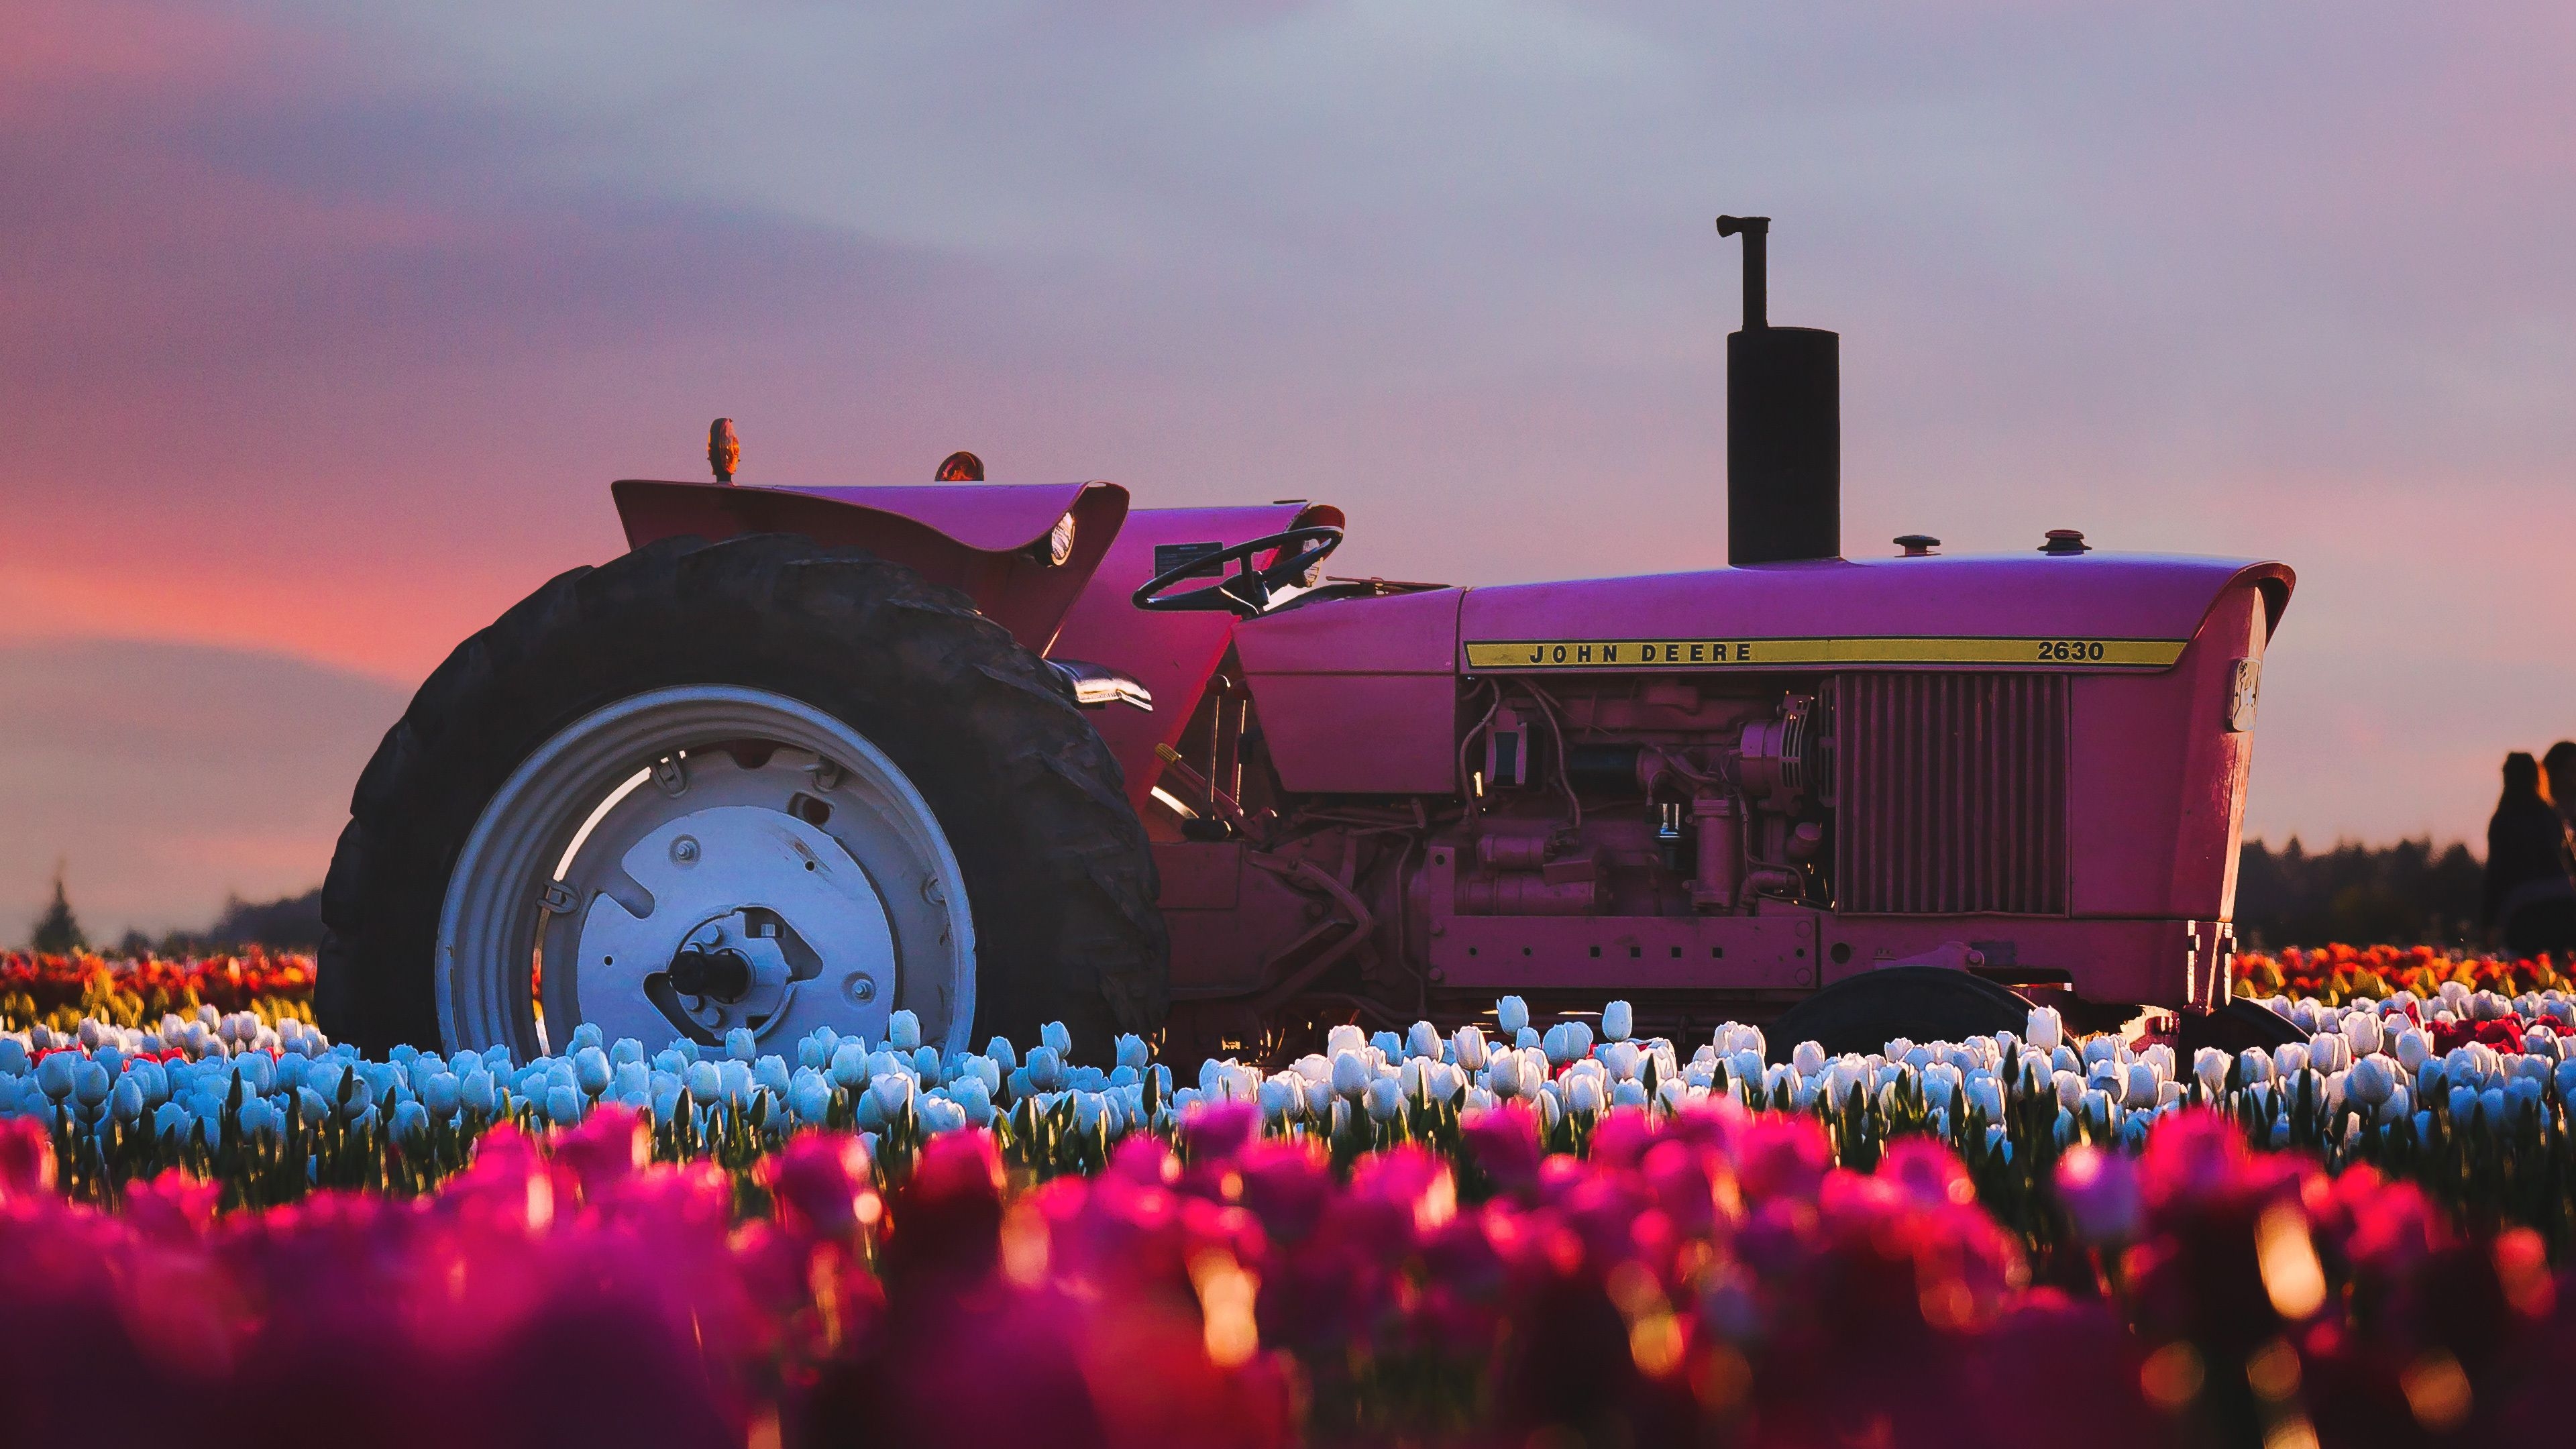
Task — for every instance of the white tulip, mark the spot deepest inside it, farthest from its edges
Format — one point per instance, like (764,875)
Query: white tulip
(892,1091)
(1467,1048)
(1618,1022)
(1046,1069)
(2046,1031)
(2363,1032)
(903,1032)
(2370,1081)
(1808,1059)
(2144,1086)
(1282,1097)
(1385,1099)
(1342,1039)
(1422,1040)
(1131,1051)
(1054,1034)
(1583,1093)
(1985,1094)
(1623,1059)
(974,1098)
(1350,1074)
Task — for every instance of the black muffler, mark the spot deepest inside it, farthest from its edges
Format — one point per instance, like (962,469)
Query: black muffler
(1784,426)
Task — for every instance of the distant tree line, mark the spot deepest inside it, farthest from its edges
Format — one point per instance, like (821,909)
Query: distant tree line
(2403,894)
(2410,893)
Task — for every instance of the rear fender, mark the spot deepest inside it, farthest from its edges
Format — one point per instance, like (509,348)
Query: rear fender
(986,540)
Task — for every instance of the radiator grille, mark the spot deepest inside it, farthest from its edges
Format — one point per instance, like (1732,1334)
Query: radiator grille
(1951,792)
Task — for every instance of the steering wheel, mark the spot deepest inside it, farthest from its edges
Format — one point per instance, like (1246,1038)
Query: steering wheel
(1248,592)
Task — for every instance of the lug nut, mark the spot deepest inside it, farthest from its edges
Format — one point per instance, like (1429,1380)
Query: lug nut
(685,849)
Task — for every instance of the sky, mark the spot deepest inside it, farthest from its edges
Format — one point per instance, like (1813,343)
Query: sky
(323,328)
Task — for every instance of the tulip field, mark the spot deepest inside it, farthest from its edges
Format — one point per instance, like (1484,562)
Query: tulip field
(1528,1233)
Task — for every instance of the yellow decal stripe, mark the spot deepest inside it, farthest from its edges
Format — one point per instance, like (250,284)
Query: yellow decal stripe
(1706,653)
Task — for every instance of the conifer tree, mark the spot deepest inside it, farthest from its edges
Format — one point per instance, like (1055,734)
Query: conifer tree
(58,932)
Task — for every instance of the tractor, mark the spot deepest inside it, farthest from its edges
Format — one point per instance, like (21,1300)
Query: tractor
(1001,755)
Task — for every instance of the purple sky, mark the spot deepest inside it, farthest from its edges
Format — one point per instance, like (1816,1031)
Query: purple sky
(324,326)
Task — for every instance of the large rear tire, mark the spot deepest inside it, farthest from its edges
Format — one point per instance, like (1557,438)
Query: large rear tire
(801,703)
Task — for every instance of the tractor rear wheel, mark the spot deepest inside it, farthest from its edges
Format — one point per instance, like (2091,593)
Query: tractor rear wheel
(1924,1003)
(762,784)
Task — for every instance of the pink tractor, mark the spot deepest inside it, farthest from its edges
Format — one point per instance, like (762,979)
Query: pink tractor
(1010,754)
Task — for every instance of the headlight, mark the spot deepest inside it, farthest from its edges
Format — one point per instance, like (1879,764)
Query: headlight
(1059,541)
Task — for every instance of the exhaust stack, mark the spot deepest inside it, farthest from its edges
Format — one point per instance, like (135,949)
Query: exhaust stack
(1784,428)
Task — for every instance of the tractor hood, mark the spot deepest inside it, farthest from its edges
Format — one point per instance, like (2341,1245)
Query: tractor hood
(988,539)
(2099,611)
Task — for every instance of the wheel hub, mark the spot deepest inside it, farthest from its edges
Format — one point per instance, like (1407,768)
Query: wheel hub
(743,912)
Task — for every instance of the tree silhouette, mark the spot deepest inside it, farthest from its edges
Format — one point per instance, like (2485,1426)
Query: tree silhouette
(58,932)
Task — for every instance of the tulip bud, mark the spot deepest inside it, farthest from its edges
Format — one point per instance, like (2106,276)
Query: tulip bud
(1350,1074)
(90,1083)
(1003,1053)
(127,1100)
(1558,1043)
(55,1074)
(2463,1105)
(2046,1031)
(1385,1099)
(1808,1058)
(1282,1097)
(809,1095)
(563,1107)
(849,1066)
(1422,1040)
(1618,1021)
(1132,1052)
(1467,1048)
(2290,1058)
(892,1091)
(1511,1016)
(1054,1036)
(974,1098)
(1583,1093)
(1046,1069)
(2414,1048)
(734,1076)
(740,1045)
(1985,1094)
(591,1071)
(770,1072)
(2400,1104)
(1628,1094)
(2362,1030)
(1623,1059)
(2370,1081)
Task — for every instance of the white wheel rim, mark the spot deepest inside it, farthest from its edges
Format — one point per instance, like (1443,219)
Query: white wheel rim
(630,835)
